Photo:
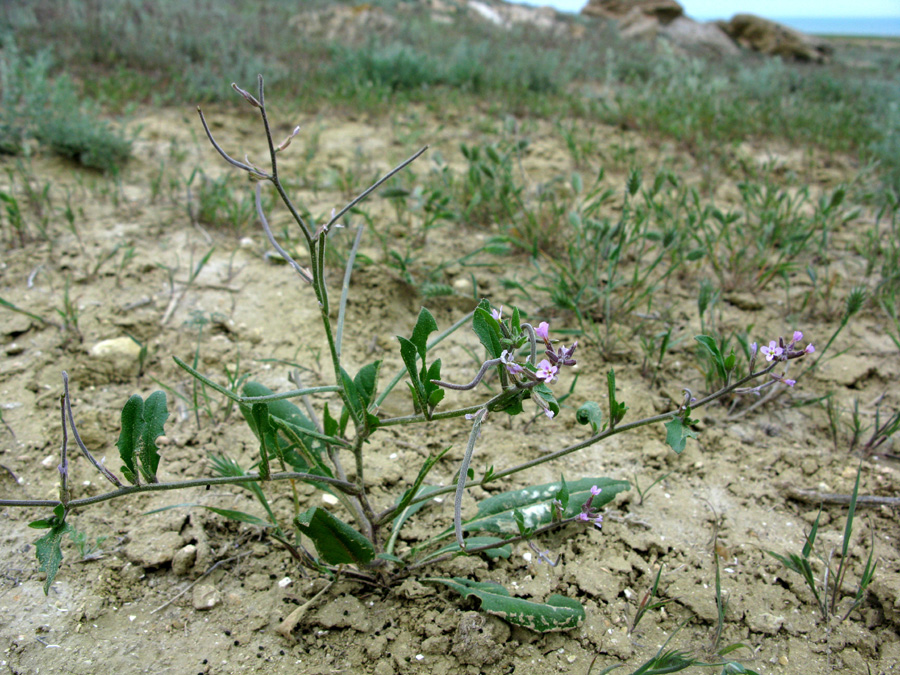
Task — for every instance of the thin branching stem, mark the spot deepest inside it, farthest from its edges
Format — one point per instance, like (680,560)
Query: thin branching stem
(345,289)
(106,473)
(593,439)
(304,274)
(377,184)
(463,474)
(344,486)
(240,165)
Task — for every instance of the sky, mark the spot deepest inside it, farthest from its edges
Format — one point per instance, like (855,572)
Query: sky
(771,9)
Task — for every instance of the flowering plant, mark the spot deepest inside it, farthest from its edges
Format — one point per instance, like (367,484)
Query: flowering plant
(360,540)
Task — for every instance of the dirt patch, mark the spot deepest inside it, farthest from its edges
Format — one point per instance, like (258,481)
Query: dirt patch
(130,605)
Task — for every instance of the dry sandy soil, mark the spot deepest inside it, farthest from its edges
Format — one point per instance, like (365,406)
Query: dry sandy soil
(120,610)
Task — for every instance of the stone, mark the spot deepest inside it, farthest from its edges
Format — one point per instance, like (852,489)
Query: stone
(92,607)
(774,39)
(113,360)
(698,36)
(663,11)
(764,622)
(184,559)
(206,596)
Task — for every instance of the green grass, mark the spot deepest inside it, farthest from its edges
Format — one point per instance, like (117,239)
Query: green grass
(125,51)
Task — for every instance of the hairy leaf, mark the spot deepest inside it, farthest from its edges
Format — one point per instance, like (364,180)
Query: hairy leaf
(677,433)
(496,513)
(49,553)
(488,331)
(336,541)
(559,613)
(591,413)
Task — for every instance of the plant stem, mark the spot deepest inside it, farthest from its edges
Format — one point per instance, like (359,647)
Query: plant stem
(344,486)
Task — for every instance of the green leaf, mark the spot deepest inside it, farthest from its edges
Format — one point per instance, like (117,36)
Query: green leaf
(563,495)
(559,613)
(329,424)
(425,326)
(129,437)
(366,382)
(408,353)
(616,410)
(515,322)
(285,415)
(677,434)
(282,408)
(487,329)
(433,373)
(154,416)
(546,394)
(591,413)
(239,516)
(503,550)
(336,542)
(142,424)
(496,513)
(260,412)
(712,347)
(356,406)
(48,552)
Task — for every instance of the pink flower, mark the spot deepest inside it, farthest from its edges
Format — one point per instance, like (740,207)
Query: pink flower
(772,351)
(546,371)
(549,413)
(543,331)
(596,490)
(583,516)
(798,336)
(496,313)
(809,349)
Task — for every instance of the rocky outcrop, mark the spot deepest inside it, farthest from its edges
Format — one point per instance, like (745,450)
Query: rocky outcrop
(652,19)
(697,36)
(662,11)
(775,39)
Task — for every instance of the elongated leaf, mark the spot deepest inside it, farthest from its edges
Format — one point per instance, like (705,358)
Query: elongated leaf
(336,541)
(48,552)
(129,437)
(488,331)
(408,354)
(616,410)
(546,394)
(260,412)
(155,414)
(502,550)
(366,382)
(284,414)
(559,613)
(709,343)
(282,408)
(239,516)
(425,326)
(497,513)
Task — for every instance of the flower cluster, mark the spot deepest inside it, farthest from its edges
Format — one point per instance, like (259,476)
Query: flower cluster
(548,368)
(588,513)
(778,351)
(781,351)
